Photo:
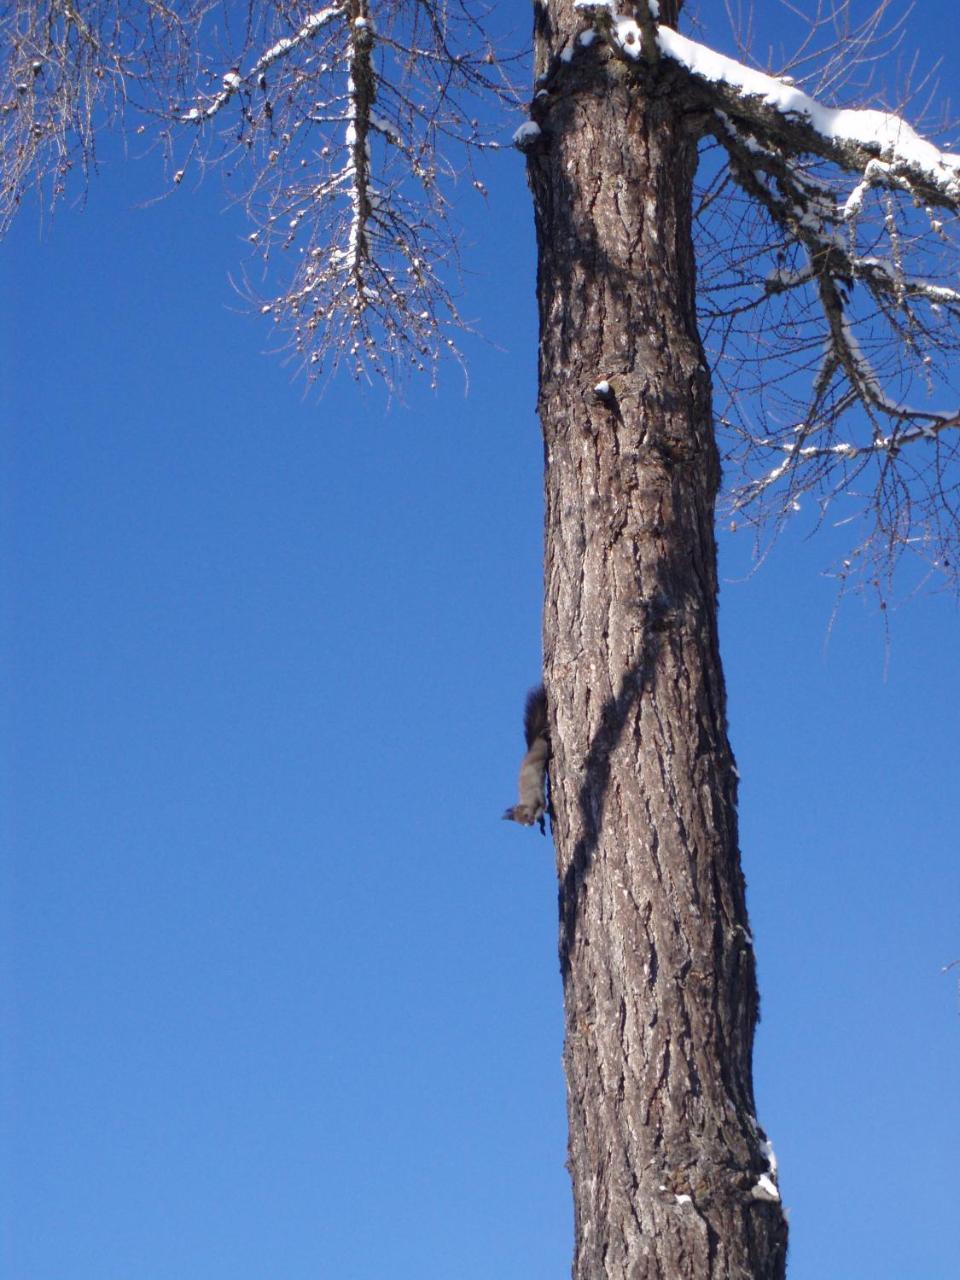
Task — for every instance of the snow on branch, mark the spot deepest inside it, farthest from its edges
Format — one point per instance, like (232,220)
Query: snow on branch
(340,124)
(851,138)
(233,81)
(369,290)
(828,287)
(830,300)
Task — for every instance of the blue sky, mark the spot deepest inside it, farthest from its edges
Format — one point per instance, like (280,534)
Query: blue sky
(280,991)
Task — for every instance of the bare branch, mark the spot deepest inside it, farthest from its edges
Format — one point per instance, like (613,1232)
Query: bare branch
(68,69)
(337,127)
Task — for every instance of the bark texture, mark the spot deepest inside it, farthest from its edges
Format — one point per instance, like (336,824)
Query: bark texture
(665,1153)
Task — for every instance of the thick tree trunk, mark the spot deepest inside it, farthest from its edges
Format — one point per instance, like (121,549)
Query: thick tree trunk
(670,1175)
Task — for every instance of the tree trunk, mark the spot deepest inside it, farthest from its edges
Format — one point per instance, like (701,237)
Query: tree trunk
(670,1173)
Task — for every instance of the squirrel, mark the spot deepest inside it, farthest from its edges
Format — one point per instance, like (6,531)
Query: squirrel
(532,783)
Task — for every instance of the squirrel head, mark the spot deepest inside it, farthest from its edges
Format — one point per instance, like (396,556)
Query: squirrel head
(520,813)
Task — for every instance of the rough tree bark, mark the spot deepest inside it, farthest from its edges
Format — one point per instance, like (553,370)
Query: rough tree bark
(671,1175)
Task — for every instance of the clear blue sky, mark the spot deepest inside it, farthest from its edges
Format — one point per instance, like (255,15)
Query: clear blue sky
(280,995)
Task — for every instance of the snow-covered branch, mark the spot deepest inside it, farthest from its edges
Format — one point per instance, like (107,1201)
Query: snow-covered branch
(781,115)
(234,81)
(827,274)
(344,146)
(797,453)
(369,288)
(851,294)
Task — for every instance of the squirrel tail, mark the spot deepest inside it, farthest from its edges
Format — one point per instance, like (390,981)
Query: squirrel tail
(535,723)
